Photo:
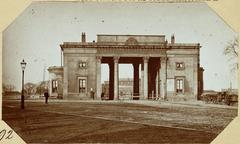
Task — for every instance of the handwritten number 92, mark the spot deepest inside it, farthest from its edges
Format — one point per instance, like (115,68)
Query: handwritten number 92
(6,134)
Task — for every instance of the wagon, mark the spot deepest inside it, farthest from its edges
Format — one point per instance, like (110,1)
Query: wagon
(225,97)
(231,99)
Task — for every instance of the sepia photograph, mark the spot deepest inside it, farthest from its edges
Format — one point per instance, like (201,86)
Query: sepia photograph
(119,72)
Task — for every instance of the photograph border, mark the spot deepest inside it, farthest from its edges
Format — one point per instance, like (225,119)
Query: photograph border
(226,9)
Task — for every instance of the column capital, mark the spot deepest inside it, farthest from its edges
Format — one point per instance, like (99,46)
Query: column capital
(145,59)
(163,58)
(115,59)
(98,58)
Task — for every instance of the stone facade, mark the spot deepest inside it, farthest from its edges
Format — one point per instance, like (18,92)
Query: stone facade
(167,70)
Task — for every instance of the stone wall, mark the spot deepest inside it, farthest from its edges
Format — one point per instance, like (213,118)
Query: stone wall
(189,73)
(73,57)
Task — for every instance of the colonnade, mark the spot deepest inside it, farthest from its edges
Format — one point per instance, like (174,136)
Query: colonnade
(153,78)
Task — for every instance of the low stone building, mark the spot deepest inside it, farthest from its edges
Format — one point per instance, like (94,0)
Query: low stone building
(168,70)
(55,88)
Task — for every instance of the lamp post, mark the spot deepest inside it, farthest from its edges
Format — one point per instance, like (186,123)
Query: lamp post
(23,65)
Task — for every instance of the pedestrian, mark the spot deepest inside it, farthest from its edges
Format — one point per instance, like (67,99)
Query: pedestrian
(102,95)
(46,96)
(92,93)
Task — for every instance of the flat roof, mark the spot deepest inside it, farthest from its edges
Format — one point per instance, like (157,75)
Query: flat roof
(130,35)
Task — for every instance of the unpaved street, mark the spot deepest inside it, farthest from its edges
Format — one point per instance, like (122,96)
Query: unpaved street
(115,122)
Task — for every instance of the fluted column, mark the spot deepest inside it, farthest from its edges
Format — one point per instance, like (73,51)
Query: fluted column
(99,85)
(116,88)
(142,81)
(111,81)
(145,86)
(157,85)
(136,80)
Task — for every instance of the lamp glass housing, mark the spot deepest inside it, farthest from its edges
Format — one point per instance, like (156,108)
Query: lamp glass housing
(23,65)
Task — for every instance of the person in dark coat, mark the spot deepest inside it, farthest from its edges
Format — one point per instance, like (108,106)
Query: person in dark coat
(102,95)
(46,95)
(92,93)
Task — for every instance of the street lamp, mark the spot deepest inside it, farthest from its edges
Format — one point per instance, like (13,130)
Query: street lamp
(23,65)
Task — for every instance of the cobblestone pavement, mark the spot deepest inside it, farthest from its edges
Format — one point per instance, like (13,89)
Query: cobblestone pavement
(116,122)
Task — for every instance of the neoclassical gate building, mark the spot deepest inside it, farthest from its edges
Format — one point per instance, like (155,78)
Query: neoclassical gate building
(164,69)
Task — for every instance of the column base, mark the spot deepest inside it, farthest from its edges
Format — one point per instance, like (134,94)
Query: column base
(65,96)
(143,98)
(97,98)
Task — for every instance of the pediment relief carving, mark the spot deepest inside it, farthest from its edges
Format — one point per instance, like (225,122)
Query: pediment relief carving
(131,41)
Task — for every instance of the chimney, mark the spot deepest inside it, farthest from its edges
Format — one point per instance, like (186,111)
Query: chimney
(172,39)
(83,37)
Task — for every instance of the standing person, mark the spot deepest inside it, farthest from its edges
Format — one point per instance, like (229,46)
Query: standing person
(102,95)
(92,93)
(46,96)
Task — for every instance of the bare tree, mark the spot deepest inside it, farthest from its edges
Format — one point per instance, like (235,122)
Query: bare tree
(8,87)
(231,51)
(42,87)
(29,88)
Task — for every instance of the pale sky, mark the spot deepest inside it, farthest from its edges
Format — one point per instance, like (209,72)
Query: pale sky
(37,33)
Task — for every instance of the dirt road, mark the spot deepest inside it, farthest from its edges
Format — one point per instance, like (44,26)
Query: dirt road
(115,122)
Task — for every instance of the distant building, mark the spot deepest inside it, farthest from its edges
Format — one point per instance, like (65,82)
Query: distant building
(168,70)
(231,91)
(125,88)
(7,95)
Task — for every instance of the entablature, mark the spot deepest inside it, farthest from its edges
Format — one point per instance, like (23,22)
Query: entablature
(129,46)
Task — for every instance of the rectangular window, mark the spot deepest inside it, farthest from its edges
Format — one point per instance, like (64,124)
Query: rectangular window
(82,64)
(54,86)
(82,85)
(179,85)
(179,65)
